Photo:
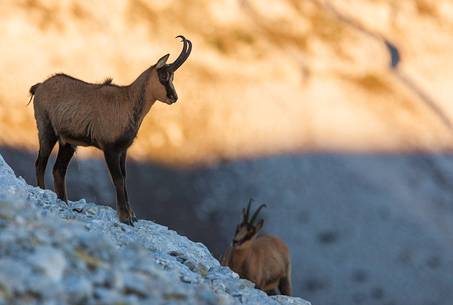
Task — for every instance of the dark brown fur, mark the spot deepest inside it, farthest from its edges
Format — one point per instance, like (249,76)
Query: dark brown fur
(263,260)
(106,116)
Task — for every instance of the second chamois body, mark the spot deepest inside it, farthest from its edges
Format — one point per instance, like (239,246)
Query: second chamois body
(107,116)
(263,259)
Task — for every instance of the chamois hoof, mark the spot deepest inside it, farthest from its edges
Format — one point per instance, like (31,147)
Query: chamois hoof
(128,221)
(134,218)
(132,215)
(127,218)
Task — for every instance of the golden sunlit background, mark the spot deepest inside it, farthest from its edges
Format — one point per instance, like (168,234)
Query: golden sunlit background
(337,113)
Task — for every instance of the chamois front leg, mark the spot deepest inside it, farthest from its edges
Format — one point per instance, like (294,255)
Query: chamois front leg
(65,153)
(112,158)
(123,171)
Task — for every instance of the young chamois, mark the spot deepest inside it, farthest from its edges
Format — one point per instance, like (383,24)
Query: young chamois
(106,116)
(263,260)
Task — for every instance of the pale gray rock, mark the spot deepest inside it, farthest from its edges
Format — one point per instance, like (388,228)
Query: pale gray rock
(49,261)
(78,289)
(78,253)
(283,299)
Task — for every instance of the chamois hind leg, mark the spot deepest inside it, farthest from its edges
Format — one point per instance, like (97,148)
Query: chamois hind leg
(112,157)
(47,140)
(285,286)
(65,153)
(123,171)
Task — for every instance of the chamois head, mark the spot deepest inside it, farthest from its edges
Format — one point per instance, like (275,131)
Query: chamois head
(162,75)
(247,229)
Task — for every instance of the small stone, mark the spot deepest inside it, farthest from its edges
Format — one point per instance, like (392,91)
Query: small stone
(203,270)
(185,279)
(285,300)
(107,296)
(8,210)
(90,212)
(13,276)
(78,210)
(176,253)
(136,284)
(191,265)
(78,289)
(43,287)
(174,296)
(50,261)
(115,279)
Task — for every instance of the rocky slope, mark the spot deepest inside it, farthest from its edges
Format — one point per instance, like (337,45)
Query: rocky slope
(53,253)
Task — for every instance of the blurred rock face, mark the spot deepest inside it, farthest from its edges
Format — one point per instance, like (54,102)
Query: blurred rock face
(313,107)
(264,78)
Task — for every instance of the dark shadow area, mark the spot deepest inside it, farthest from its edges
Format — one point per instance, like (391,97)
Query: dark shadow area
(395,56)
(362,228)
(164,195)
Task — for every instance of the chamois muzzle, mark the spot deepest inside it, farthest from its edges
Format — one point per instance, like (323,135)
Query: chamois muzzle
(172,97)
(186,49)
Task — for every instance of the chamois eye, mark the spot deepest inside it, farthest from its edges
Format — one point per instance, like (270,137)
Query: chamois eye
(164,75)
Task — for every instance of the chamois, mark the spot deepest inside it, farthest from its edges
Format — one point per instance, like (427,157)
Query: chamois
(263,260)
(106,116)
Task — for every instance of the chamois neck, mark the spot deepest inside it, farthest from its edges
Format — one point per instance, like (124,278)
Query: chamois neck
(138,88)
(140,97)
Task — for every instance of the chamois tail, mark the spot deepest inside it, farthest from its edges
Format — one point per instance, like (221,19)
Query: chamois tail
(32,91)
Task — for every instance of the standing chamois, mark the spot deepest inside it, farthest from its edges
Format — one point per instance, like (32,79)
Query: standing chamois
(263,260)
(105,116)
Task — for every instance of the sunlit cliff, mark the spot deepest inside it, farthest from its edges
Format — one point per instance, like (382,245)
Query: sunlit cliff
(264,77)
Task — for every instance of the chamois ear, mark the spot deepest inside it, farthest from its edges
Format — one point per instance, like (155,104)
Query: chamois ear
(162,61)
(259,225)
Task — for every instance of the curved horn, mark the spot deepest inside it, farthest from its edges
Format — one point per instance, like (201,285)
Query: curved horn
(256,213)
(186,49)
(247,212)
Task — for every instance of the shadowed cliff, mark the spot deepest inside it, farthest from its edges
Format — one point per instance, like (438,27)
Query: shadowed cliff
(347,218)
